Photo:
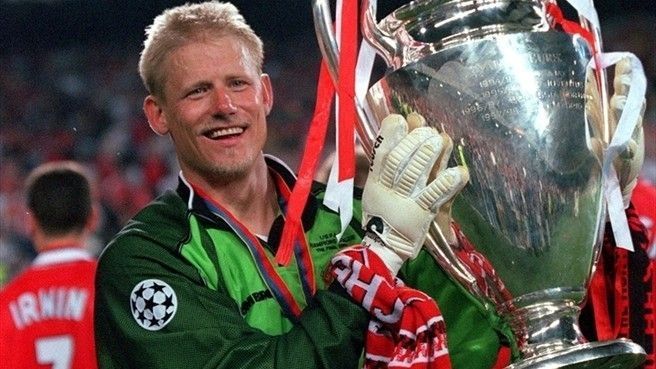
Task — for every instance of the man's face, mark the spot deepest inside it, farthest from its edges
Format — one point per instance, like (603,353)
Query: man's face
(215,108)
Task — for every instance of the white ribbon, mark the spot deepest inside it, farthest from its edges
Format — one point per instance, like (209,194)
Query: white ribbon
(625,127)
(620,138)
(339,195)
(587,10)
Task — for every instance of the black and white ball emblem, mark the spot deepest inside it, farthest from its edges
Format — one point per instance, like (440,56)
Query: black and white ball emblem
(153,304)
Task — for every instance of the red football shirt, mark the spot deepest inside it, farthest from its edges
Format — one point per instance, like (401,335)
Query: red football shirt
(644,200)
(46,313)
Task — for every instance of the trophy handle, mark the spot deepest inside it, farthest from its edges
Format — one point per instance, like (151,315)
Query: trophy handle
(602,77)
(445,256)
(327,41)
(383,41)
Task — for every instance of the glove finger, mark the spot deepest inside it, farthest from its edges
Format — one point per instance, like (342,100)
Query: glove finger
(443,188)
(392,130)
(593,115)
(621,84)
(443,159)
(415,120)
(591,85)
(408,165)
(622,80)
(418,169)
(592,103)
(597,148)
(617,103)
(629,162)
(630,151)
(628,165)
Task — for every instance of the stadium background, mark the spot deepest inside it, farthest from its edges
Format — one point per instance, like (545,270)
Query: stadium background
(69,89)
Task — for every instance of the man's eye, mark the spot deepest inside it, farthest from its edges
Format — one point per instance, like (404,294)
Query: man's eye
(197,91)
(238,83)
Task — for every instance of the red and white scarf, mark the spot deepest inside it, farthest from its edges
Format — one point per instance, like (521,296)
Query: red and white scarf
(407,329)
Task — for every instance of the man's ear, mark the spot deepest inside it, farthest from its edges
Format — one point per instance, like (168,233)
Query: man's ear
(94,219)
(31,224)
(155,115)
(267,92)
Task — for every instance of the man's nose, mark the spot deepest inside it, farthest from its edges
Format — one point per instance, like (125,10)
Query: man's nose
(223,102)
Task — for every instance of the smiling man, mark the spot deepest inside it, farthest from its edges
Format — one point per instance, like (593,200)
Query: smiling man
(192,282)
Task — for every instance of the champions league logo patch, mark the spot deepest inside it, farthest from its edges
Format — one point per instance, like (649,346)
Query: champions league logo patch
(153,304)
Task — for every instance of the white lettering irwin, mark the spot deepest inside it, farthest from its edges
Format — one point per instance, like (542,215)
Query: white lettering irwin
(54,303)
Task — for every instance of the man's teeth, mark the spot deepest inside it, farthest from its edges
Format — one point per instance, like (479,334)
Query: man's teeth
(225,132)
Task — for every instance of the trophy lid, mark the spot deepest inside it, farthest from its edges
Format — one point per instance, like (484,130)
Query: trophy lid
(423,27)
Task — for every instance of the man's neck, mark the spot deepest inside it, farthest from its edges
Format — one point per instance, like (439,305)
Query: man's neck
(251,199)
(44,242)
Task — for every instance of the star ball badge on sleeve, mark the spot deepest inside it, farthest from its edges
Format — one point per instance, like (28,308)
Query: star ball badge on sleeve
(153,304)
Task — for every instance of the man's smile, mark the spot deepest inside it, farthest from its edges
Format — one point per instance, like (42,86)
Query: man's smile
(219,133)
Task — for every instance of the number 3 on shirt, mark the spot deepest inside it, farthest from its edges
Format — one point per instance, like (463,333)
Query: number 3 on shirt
(55,350)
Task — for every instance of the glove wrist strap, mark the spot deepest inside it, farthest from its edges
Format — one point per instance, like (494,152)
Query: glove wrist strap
(392,261)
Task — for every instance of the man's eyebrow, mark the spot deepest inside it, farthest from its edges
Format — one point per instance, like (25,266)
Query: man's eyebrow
(197,84)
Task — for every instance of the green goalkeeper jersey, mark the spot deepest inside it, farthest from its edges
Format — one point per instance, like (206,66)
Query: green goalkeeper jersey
(178,288)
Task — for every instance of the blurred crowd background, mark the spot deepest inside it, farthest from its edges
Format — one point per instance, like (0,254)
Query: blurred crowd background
(69,89)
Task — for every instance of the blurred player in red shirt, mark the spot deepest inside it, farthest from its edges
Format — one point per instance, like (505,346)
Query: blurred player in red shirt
(46,313)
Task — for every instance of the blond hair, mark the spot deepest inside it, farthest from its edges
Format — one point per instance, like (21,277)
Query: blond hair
(180,25)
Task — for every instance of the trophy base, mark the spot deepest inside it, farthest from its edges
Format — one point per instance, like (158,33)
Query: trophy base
(617,354)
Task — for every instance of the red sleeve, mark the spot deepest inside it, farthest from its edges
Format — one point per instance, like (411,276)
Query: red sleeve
(621,302)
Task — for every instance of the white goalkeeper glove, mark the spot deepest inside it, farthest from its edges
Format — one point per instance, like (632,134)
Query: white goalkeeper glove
(629,163)
(399,202)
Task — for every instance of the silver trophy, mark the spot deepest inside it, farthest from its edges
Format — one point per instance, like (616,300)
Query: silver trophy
(509,89)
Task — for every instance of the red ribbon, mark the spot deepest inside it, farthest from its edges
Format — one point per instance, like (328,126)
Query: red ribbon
(348,51)
(571,27)
(313,148)
(611,287)
(318,127)
(599,297)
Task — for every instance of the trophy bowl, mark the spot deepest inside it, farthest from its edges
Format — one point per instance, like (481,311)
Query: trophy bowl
(509,89)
